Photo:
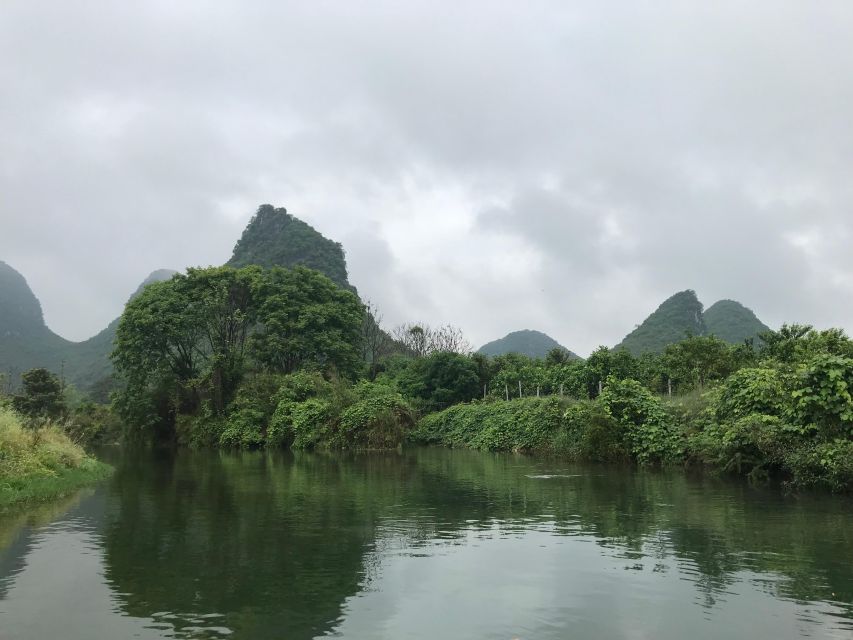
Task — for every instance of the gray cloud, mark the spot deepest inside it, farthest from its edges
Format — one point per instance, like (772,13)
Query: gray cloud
(559,166)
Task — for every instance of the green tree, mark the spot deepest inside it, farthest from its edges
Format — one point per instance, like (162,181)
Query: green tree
(41,395)
(604,363)
(440,379)
(698,360)
(306,320)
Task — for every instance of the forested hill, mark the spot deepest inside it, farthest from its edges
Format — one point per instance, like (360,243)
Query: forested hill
(682,315)
(731,321)
(27,342)
(534,344)
(275,238)
(677,317)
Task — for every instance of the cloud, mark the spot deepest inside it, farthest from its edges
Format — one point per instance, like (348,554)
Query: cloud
(555,166)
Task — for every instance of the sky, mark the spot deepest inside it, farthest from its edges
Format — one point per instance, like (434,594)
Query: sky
(560,166)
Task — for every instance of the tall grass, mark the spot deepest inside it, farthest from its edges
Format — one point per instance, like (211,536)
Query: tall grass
(41,461)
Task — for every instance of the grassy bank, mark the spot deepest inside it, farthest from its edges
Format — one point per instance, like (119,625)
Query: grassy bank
(41,463)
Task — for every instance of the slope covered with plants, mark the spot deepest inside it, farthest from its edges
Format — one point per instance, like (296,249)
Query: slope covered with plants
(527,342)
(676,318)
(731,321)
(274,238)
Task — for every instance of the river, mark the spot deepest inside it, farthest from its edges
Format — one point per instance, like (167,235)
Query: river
(427,543)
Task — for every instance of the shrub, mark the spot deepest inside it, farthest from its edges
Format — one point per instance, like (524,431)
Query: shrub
(251,411)
(41,460)
(823,395)
(751,391)
(526,424)
(590,433)
(650,433)
(826,465)
(754,444)
(312,422)
(377,419)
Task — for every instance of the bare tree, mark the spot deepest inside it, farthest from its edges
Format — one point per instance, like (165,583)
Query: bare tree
(376,344)
(414,338)
(449,338)
(419,339)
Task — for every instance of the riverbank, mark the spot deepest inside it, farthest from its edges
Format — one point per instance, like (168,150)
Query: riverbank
(41,463)
(725,430)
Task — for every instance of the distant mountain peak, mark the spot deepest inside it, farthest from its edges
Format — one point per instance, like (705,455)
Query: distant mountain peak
(682,314)
(731,321)
(528,342)
(21,310)
(273,238)
(158,275)
(676,317)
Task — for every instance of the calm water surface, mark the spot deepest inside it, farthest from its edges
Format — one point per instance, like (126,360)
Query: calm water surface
(422,544)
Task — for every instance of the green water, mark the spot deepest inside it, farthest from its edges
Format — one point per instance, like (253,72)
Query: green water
(422,544)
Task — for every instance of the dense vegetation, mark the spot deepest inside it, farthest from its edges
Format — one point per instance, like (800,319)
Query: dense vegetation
(39,460)
(784,410)
(209,358)
(527,342)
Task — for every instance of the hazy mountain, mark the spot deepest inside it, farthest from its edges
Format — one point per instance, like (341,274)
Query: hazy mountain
(682,314)
(731,321)
(27,342)
(526,342)
(90,359)
(677,317)
(273,237)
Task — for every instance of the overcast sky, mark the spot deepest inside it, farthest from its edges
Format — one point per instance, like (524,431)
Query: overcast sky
(561,166)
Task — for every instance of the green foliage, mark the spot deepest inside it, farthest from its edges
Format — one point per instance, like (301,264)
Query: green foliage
(823,395)
(440,379)
(651,434)
(41,395)
(307,321)
(377,420)
(251,411)
(698,360)
(526,424)
(91,424)
(796,343)
(590,433)
(753,444)
(754,390)
(513,368)
(184,346)
(824,465)
(38,463)
(604,363)
(312,422)
(295,388)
